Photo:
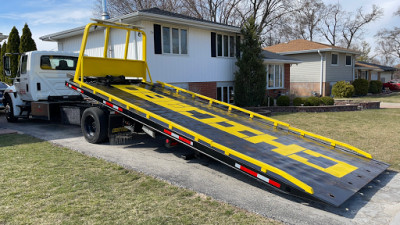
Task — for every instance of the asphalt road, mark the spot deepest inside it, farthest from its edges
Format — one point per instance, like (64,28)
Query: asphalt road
(377,203)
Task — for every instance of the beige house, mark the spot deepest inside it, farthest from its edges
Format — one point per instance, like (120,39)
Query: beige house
(371,71)
(322,66)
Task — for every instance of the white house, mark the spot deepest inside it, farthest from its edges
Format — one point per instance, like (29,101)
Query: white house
(191,53)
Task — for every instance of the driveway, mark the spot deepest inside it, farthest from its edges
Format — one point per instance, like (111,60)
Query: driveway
(388,105)
(377,203)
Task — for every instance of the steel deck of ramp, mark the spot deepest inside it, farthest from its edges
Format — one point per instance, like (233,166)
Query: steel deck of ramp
(334,175)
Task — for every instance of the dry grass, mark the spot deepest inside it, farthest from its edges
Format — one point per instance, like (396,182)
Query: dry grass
(374,131)
(44,184)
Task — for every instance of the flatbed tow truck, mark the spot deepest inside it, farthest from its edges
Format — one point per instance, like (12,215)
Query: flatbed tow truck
(282,157)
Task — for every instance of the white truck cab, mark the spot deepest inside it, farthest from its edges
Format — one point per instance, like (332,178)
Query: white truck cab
(41,78)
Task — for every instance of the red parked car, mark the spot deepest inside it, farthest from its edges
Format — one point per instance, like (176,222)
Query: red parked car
(393,85)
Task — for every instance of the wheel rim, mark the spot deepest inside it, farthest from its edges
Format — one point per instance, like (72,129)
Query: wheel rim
(90,126)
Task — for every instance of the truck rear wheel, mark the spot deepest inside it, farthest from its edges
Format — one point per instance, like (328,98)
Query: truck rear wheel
(94,125)
(9,111)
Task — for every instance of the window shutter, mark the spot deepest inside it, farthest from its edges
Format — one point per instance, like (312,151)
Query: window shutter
(157,39)
(238,46)
(213,45)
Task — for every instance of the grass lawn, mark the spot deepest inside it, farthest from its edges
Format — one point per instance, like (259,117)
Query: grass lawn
(391,98)
(42,183)
(374,131)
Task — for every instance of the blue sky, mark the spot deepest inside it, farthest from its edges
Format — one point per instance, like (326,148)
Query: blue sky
(44,17)
(50,16)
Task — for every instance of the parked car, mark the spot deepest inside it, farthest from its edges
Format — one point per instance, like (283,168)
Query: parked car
(3,87)
(393,85)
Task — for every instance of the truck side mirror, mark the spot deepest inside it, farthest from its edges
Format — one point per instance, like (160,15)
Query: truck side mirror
(6,65)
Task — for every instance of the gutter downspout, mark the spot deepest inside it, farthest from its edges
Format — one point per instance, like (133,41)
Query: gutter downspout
(322,72)
(354,68)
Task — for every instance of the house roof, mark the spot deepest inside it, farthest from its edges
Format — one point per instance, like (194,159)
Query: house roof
(304,46)
(154,15)
(373,66)
(270,57)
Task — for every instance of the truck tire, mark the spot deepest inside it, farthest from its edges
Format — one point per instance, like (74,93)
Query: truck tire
(94,125)
(9,111)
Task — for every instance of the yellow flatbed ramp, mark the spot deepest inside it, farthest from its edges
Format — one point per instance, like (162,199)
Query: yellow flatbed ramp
(294,161)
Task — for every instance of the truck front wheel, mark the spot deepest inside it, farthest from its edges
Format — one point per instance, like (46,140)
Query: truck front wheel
(94,125)
(9,111)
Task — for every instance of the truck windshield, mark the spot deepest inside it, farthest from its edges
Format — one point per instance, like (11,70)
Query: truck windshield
(58,62)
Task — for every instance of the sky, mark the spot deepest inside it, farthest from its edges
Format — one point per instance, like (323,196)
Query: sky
(51,16)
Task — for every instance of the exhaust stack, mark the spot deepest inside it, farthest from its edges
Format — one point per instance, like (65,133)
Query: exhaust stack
(104,15)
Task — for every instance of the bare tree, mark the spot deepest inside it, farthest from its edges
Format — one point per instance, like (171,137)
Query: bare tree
(220,11)
(332,23)
(307,18)
(353,27)
(267,13)
(389,44)
(122,7)
(397,13)
(365,49)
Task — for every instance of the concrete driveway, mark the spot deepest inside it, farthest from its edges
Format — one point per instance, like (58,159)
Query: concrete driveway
(377,203)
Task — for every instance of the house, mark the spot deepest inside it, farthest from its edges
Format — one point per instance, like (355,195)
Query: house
(190,53)
(322,66)
(371,71)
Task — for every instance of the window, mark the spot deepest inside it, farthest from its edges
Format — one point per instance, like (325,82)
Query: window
(174,40)
(166,40)
(24,64)
(275,76)
(225,94)
(226,50)
(219,44)
(231,46)
(364,75)
(225,45)
(349,60)
(335,59)
(58,62)
(183,41)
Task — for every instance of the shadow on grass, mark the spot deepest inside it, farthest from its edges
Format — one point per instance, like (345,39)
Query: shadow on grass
(8,140)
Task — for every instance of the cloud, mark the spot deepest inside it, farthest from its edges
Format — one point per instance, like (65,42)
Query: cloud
(75,16)
(46,12)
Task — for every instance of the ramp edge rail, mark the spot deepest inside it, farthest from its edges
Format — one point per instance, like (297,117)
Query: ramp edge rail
(198,137)
(300,132)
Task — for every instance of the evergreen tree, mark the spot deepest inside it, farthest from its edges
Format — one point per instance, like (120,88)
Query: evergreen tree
(250,79)
(2,53)
(1,65)
(13,47)
(27,43)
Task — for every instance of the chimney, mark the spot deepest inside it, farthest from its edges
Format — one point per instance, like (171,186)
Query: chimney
(104,15)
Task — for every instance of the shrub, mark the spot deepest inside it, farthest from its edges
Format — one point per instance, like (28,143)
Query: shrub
(266,99)
(375,86)
(343,89)
(313,101)
(360,87)
(283,101)
(298,101)
(326,100)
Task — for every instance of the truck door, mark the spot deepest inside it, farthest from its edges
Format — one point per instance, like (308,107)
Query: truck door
(22,80)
